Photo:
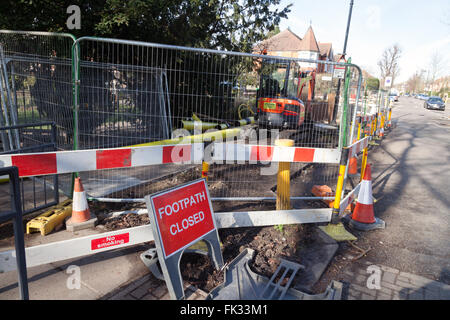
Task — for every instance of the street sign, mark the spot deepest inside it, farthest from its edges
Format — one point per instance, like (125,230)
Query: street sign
(387,82)
(183,215)
(179,217)
(339,72)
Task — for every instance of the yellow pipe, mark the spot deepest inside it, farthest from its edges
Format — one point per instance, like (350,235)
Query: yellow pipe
(191,125)
(227,133)
(194,116)
(283,179)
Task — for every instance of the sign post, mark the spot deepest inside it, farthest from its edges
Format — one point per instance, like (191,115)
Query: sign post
(387,82)
(180,217)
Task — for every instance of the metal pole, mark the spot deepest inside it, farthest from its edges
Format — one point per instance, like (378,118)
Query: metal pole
(19,241)
(336,104)
(348,27)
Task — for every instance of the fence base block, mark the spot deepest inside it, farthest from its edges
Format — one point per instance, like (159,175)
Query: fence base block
(46,222)
(337,232)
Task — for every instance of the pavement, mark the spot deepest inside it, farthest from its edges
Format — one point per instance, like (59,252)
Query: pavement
(409,260)
(393,284)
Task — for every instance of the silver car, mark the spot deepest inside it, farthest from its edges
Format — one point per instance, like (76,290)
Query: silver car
(434,103)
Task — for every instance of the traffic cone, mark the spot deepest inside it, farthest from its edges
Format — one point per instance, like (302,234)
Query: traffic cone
(363,217)
(353,166)
(81,215)
(381,135)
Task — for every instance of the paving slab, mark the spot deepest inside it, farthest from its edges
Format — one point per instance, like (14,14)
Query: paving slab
(99,274)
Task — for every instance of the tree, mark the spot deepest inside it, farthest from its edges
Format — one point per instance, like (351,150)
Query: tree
(415,83)
(232,25)
(373,84)
(218,24)
(437,64)
(389,63)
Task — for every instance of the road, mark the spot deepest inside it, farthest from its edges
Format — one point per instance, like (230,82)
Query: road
(411,180)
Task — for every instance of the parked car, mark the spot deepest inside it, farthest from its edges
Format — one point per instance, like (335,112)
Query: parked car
(434,103)
(423,97)
(393,97)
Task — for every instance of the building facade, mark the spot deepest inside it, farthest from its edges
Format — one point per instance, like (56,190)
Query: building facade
(288,44)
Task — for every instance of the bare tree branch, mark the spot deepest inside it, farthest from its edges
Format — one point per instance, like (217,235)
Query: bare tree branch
(389,62)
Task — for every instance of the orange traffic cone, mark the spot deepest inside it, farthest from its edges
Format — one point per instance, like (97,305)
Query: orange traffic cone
(353,166)
(363,217)
(381,132)
(81,215)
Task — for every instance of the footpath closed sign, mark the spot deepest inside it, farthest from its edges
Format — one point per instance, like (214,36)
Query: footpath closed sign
(183,215)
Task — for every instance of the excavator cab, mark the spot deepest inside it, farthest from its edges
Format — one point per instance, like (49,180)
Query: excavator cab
(277,99)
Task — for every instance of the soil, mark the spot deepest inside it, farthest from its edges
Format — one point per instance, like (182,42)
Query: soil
(128,220)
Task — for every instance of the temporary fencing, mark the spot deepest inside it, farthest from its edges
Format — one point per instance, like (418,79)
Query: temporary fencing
(136,93)
(130,94)
(37,105)
(38,66)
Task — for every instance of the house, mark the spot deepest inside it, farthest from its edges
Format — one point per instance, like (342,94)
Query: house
(326,54)
(288,44)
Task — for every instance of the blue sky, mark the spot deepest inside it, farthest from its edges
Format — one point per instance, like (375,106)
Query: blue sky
(419,27)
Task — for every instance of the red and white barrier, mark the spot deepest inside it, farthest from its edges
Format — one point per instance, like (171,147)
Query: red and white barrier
(245,152)
(44,163)
(36,164)
(358,146)
(366,118)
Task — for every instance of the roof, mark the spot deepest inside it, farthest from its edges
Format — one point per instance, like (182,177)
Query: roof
(309,42)
(283,41)
(324,48)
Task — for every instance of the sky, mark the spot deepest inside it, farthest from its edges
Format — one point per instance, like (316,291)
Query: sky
(420,27)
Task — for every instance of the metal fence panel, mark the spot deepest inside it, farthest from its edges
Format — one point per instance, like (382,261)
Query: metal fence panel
(105,93)
(36,192)
(39,72)
(132,93)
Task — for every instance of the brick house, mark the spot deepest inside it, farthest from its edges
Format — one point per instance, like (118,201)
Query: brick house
(288,44)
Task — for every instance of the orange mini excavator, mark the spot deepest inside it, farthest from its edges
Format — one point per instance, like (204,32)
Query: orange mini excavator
(278,99)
